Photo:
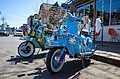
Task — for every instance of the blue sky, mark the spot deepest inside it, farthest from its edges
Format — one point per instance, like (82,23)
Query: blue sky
(16,12)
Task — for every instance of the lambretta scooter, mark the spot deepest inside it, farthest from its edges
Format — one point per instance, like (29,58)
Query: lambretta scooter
(35,39)
(68,42)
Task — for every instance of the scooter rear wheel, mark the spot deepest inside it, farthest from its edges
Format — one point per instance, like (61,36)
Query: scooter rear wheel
(26,49)
(53,61)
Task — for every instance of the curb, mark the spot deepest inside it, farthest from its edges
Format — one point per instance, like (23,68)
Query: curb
(110,59)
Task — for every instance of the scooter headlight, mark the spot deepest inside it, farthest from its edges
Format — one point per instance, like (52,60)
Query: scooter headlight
(72,40)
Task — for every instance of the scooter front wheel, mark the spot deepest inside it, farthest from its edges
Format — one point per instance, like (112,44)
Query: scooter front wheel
(26,49)
(54,61)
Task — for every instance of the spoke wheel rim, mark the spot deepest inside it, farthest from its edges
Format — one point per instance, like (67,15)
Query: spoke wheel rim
(56,64)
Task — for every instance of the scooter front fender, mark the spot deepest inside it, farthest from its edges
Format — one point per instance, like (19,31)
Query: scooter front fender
(62,43)
(33,40)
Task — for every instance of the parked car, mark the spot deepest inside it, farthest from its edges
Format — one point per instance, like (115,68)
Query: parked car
(4,33)
(18,33)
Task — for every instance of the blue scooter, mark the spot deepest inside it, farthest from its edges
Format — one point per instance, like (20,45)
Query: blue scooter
(68,42)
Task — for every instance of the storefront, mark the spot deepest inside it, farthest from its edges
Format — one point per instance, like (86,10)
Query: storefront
(111,10)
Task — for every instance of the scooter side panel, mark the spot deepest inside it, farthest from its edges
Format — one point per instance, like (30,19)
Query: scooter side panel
(77,47)
(35,42)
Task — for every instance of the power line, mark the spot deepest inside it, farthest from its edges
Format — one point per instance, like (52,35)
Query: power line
(11,12)
(11,16)
(13,20)
(7,1)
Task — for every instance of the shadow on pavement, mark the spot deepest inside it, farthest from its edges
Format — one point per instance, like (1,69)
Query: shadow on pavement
(70,70)
(18,59)
(109,47)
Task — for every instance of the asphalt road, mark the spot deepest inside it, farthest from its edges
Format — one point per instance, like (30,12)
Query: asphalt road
(12,66)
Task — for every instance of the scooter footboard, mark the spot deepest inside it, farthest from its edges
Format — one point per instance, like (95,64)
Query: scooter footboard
(89,53)
(26,38)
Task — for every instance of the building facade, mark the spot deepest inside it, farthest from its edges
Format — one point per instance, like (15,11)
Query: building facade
(55,14)
(44,12)
(50,13)
(94,9)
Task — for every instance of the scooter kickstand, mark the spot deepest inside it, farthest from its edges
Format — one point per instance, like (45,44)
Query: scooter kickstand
(82,58)
(38,51)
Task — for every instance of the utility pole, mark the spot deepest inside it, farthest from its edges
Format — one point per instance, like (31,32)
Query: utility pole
(95,4)
(3,19)
(0,12)
(110,12)
(102,21)
(46,1)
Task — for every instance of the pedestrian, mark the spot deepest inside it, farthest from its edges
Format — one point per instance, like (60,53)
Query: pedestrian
(87,24)
(98,25)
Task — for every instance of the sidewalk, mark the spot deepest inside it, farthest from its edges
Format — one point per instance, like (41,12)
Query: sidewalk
(108,52)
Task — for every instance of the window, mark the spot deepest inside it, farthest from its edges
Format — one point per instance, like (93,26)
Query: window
(87,9)
(115,12)
(106,10)
(111,15)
